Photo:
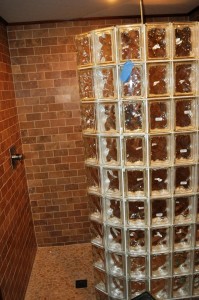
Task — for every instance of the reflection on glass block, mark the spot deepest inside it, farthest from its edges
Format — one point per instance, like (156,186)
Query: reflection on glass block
(181,262)
(105,82)
(93,178)
(160,210)
(116,263)
(84,51)
(134,150)
(136,212)
(183,179)
(110,150)
(97,233)
(181,286)
(184,41)
(91,149)
(117,287)
(104,43)
(160,288)
(100,295)
(184,149)
(182,237)
(95,205)
(196,260)
(196,284)
(115,238)
(160,182)
(133,116)
(86,85)
(160,149)
(185,114)
(159,116)
(158,41)
(134,86)
(197,235)
(158,78)
(88,117)
(112,182)
(114,211)
(108,117)
(98,257)
(137,287)
(100,279)
(160,265)
(130,43)
(137,266)
(184,78)
(135,182)
(160,239)
(137,239)
(183,210)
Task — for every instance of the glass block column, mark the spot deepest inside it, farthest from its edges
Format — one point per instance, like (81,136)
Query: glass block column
(141,156)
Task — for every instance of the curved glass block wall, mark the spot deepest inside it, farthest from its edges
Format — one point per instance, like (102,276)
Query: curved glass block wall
(141,155)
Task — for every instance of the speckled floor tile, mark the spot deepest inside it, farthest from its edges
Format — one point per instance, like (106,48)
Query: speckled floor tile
(55,271)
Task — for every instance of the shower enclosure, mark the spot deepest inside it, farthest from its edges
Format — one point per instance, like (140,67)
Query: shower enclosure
(138,89)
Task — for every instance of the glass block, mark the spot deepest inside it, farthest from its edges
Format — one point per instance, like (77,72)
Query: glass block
(158,79)
(185,78)
(182,262)
(112,179)
(101,295)
(104,46)
(137,287)
(134,116)
(183,208)
(185,114)
(159,116)
(135,180)
(197,208)
(95,206)
(130,44)
(160,211)
(97,233)
(185,147)
(88,114)
(105,83)
(160,288)
(181,286)
(108,118)
(114,212)
(134,148)
(99,259)
(182,237)
(137,266)
(134,86)
(160,181)
(115,238)
(197,236)
(100,280)
(196,284)
(136,213)
(116,263)
(93,179)
(91,149)
(160,239)
(184,179)
(110,150)
(137,240)
(158,41)
(86,84)
(160,146)
(84,49)
(184,43)
(196,260)
(117,287)
(160,265)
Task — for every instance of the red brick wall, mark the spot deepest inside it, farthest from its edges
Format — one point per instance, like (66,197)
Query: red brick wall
(45,76)
(17,239)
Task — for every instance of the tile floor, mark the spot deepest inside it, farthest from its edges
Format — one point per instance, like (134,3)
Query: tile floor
(55,271)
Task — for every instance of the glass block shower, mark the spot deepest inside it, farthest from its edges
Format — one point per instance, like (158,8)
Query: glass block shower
(138,89)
